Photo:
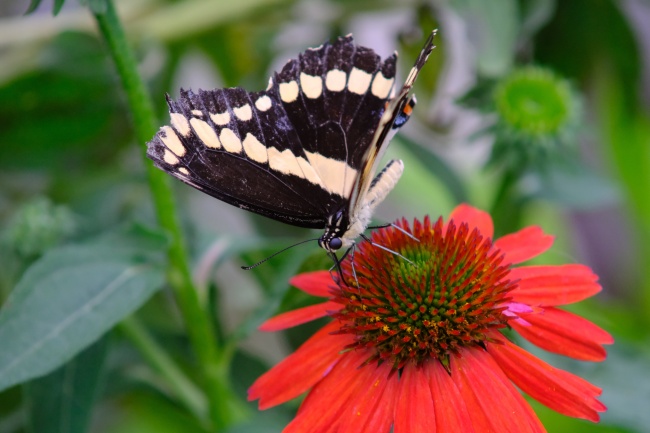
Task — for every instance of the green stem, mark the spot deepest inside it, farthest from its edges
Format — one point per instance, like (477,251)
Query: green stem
(183,388)
(507,205)
(196,319)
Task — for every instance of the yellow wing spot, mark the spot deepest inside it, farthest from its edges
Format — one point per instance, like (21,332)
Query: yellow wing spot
(289,91)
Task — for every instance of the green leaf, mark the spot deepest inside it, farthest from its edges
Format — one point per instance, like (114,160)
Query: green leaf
(590,51)
(33,5)
(267,421)
(534,15)
(275,283)
(62,401)
(246,369)
(438,168)
(578,188)
(95,6)
(147,412)
(624,392)
(495,26)
(71,297)
(56,8)
(72,134)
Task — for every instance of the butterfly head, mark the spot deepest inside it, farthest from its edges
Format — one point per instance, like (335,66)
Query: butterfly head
(332,239)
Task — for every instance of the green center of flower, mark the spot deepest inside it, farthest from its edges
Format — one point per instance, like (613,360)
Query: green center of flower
(445,293)
(533,101)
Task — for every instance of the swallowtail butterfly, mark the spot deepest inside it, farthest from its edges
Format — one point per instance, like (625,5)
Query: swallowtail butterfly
(305,150)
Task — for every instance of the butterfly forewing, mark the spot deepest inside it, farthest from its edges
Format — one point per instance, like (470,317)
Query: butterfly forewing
(334,96)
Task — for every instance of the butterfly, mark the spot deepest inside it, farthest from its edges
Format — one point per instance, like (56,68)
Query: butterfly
(305,150)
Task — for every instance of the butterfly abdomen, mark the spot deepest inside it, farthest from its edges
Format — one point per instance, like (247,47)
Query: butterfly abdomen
(380,187)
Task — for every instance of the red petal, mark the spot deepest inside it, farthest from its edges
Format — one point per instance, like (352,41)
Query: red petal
(523,245)
(474,218)
(450,408)
(299,316)
(559,331)
(318,283)
(553,285)
(561,391)
(371,408)
(493,403)
(321,410)
(300,370)
(414,412)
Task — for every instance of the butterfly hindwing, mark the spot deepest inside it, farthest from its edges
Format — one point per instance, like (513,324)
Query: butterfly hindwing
(397,112)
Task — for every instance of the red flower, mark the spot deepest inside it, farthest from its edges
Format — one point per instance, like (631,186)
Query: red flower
(417,345)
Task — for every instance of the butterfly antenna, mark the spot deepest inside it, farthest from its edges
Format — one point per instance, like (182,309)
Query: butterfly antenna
(386,249)
(410,235)
(248,268)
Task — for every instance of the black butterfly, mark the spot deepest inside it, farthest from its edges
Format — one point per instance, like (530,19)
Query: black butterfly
(305,150)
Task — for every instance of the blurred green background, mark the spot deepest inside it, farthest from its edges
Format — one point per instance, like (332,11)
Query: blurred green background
(70,170)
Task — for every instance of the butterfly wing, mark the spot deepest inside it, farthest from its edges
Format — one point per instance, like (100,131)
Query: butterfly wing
(293,152)
(397,112)
(344,88)
(220,145)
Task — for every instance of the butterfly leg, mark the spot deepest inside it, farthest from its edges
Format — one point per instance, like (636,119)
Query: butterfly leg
(395,227)
(337,265)
(386,249)
(354,272)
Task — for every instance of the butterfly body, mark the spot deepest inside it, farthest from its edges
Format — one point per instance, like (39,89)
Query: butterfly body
(305,150)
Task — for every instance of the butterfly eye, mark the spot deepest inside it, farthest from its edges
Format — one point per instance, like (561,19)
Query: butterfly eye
(335,244)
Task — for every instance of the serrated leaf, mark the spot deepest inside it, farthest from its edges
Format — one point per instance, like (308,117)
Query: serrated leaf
(70,298)
(62,401)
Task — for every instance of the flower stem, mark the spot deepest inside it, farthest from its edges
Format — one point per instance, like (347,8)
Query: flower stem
(507,207)
(201,334)
(184,389)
